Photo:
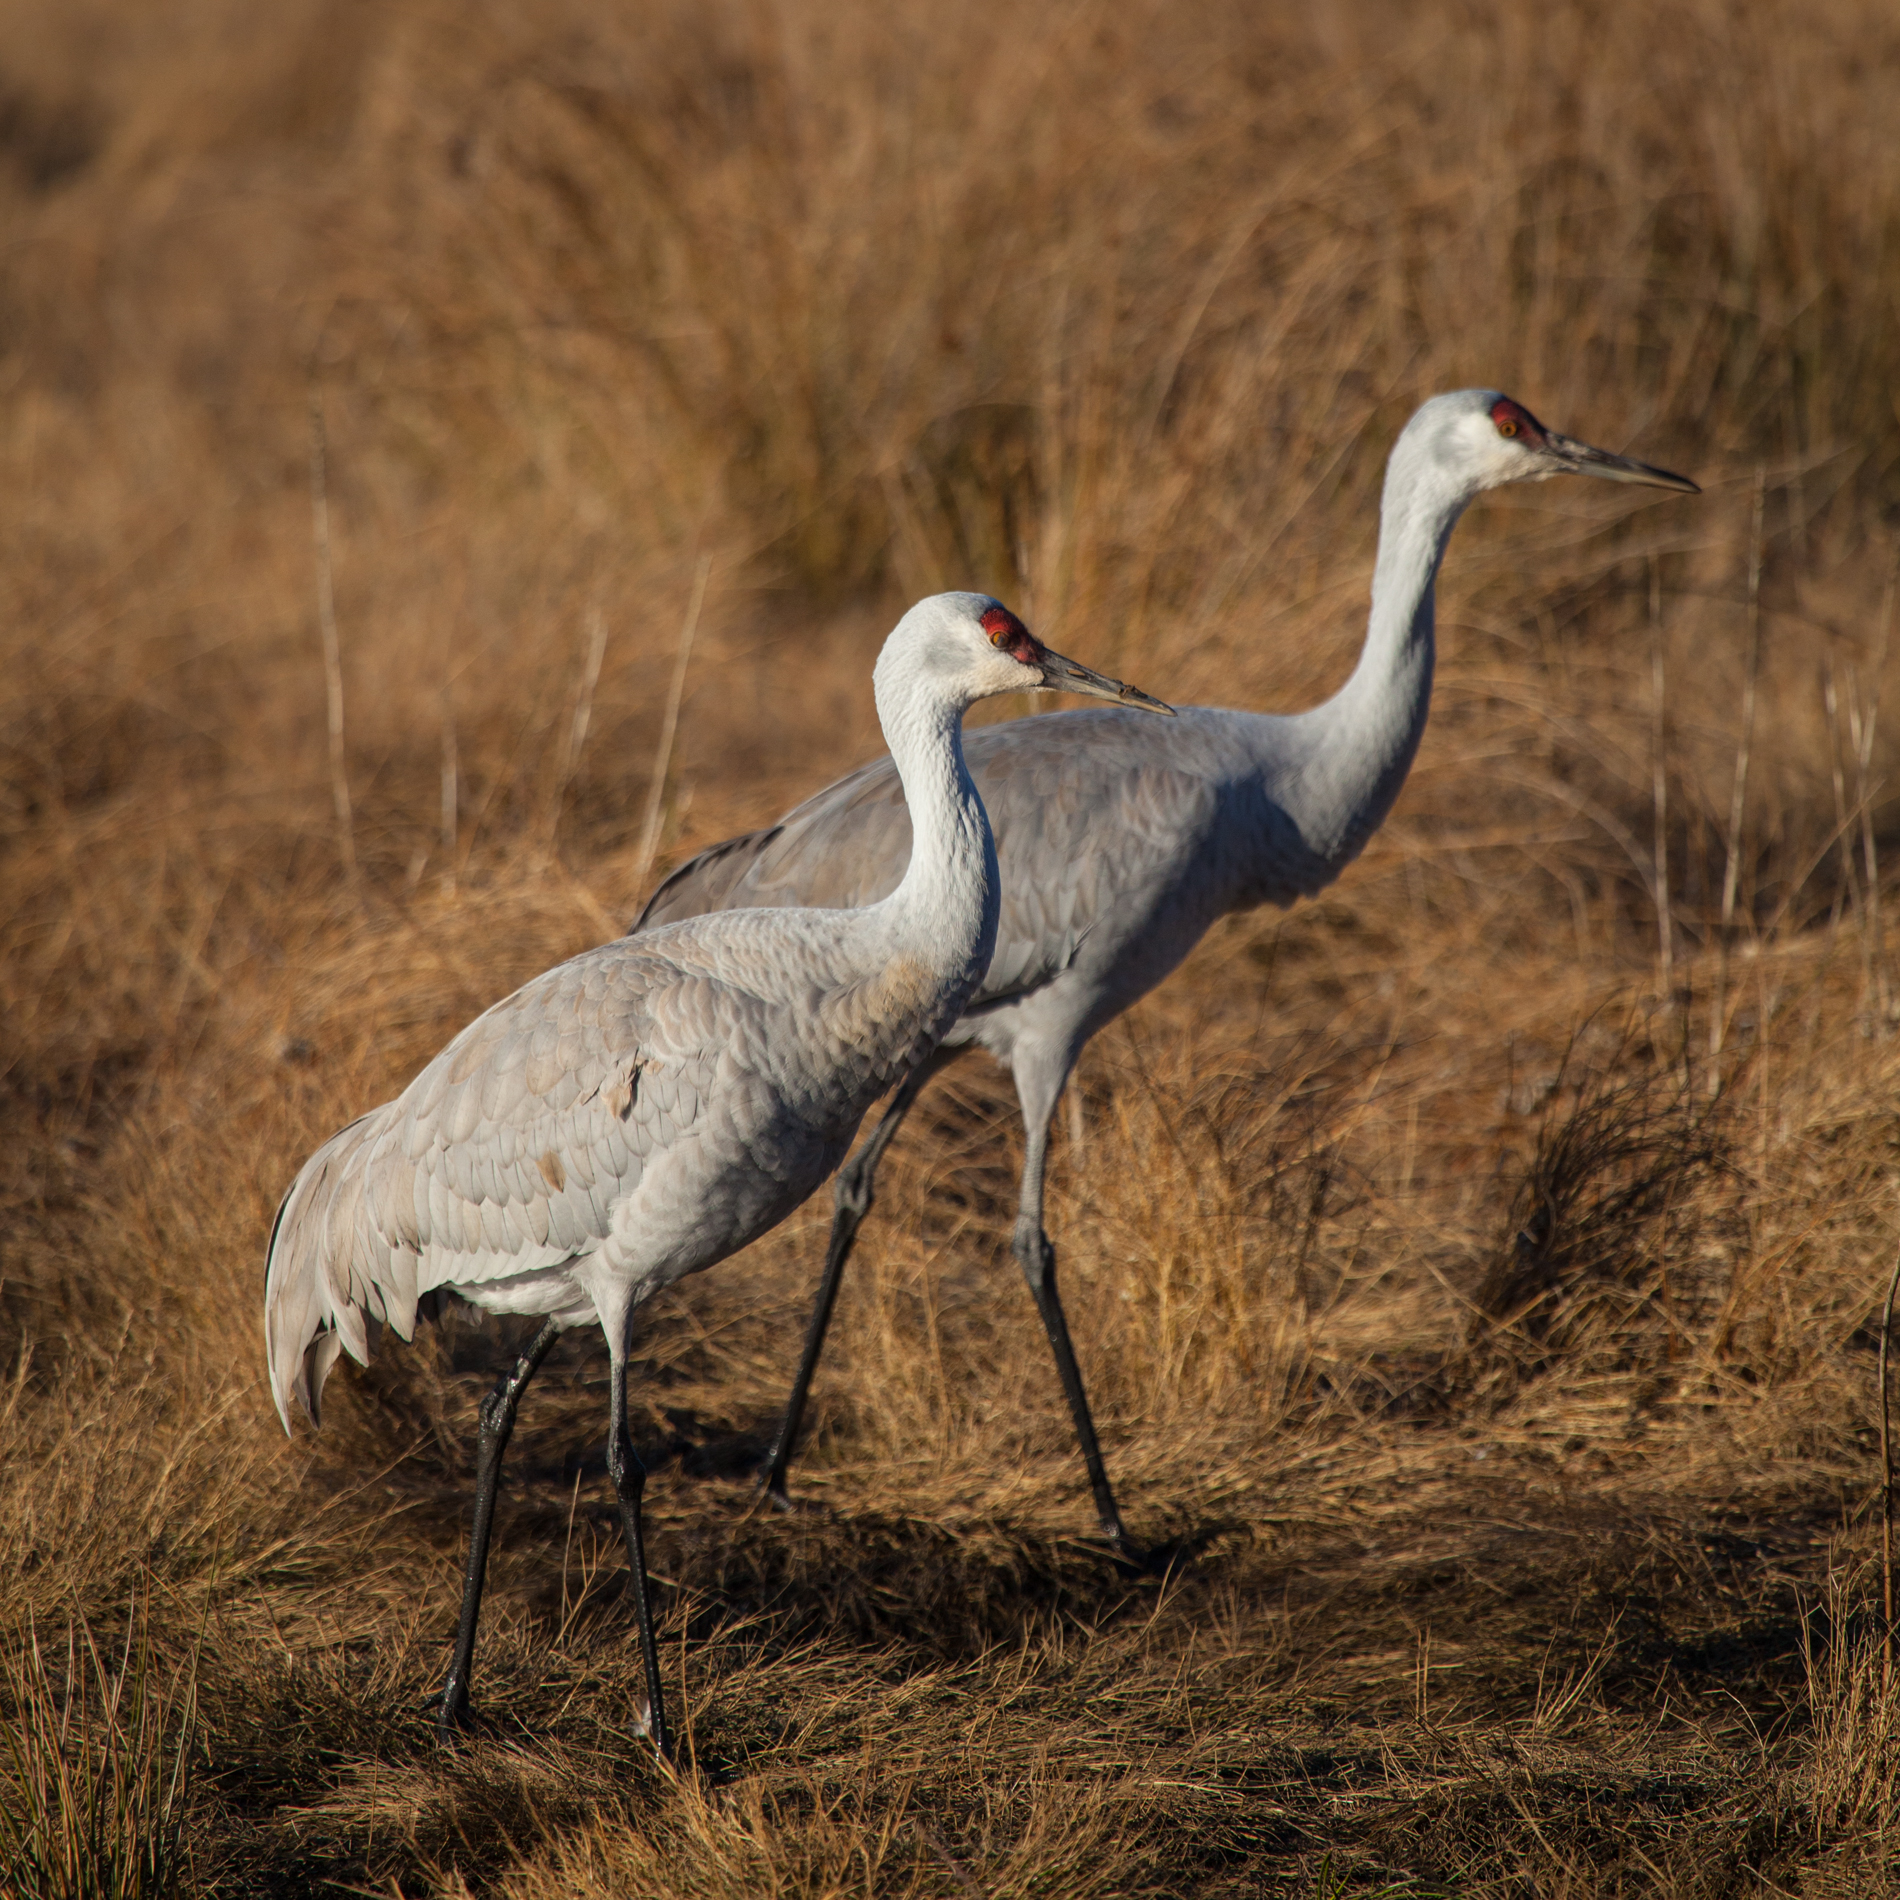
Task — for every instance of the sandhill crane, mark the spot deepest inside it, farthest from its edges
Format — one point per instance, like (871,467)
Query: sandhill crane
(1122,841)
(650,1106)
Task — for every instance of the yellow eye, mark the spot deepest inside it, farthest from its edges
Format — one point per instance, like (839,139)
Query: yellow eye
(1507,427)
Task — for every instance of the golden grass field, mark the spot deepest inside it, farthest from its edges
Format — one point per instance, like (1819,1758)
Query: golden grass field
(1479,1270)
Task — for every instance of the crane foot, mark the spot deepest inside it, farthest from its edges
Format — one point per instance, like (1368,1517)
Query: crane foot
(454,1718)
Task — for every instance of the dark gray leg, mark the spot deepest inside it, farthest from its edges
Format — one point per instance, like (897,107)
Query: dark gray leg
(1037,1257)
(497,1422)
(851,1200)
(630,1476)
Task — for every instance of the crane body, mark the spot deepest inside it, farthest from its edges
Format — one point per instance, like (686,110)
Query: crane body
(1122,841)
(648,1107)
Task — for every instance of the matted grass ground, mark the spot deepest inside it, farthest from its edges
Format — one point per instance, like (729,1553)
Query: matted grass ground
(1477,1273)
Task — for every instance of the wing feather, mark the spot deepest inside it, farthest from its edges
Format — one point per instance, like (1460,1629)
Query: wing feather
(505,1156)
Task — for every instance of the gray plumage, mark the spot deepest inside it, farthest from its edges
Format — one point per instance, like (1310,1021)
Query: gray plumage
(660,1101)
(650,1106)
(1117,852)
(1122,840)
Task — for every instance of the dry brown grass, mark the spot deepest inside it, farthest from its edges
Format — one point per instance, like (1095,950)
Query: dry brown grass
(1496,1331)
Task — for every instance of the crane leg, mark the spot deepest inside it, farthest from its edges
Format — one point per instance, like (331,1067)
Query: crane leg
(1037,1256)
(851,1201)
(497,1422)
(630,1476)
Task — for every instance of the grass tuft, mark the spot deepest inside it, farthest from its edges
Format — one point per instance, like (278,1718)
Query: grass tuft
(1853,1759)
(96,1786)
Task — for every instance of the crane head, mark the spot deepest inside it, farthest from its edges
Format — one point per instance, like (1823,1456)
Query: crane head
(1059,675)
(1498,440)
(976,647)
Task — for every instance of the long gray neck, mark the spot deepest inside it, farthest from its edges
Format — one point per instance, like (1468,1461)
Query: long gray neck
(944,912)
(1360,744)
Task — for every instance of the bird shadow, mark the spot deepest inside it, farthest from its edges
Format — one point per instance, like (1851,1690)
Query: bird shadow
(940,1587)
(870,1566)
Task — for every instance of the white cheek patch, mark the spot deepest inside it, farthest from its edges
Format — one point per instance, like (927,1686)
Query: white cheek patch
(1011,676)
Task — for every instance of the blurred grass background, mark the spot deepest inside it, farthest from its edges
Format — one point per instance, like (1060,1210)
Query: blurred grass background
(1480,1268)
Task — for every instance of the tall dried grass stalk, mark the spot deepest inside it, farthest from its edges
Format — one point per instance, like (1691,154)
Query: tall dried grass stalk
(576,734)
(1892,1638)
(1865,792)
(1422,1676)
(1847,896)
(1659,788)
(451,777)
(332,651)
(1738,792)
(669,726)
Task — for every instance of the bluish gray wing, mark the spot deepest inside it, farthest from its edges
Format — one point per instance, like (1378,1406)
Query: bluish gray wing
(703,883)
(847,846)
(1089,814)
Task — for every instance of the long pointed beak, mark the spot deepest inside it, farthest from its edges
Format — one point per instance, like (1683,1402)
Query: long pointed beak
(1579,458)
(1063,675)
